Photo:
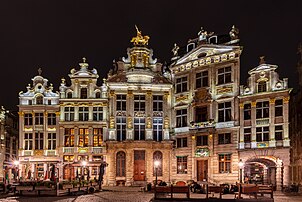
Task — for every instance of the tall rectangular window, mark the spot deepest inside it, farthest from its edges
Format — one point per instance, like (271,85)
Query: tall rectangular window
(97,113)
(139,103)
(181,84)
(83,114)
(182,142)
(39,140)
(157,103)
(247,111)
(181,118)
(262,109)
(28,119)
(97,137)
(201,114)
(120,128)
(69,137)
(28,140)
(224,75)
(224,112)
(39,119)
(262,134)
(279,107)
(83,93)
(182,164)
(202,140)
(225,163)
(139,128)
(202,79)
(83,137)
(120,102)
(247,135)
(224,138)
(279,132)
(261,86)
(51,119)
(157,128)
(52,141)
(69,113)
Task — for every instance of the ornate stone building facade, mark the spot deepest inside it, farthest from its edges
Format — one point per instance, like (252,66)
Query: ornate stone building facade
(139,118)
(206,76)
(83,121)
(38,129)
(264,144)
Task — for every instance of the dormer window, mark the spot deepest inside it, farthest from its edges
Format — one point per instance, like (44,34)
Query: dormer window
(97,95)
(83,93)
(69,95)
(39,100)
(262,86)
(190,47)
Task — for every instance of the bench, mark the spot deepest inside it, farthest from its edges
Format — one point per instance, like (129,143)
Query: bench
(248,189)
(266,189)
(171,190)
(214,189)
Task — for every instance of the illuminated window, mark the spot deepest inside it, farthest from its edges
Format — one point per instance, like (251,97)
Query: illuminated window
(262,134)
(181,118)
(83,113)
(182,164)
(28,119)
(83,93)
(28,140)
(262,110)
(181,142)
(69,137)
(39,118)
(202,140)
(157,103)
(139,103)
(69,113)
(83,137)
(224,75)
(279,132)
(247,111)
(120,102)
(121,164)
(225,163)
(224,138)
(181,84)
(224,112)
(97,137)
(52,141)
(202,79)
(82,158)
(139,128)
(279,107)
(120,128)
(68,158)
(247,135)
(158,157)
(39,140)
(97,113)
(157,128)
(51,119)
(262,86)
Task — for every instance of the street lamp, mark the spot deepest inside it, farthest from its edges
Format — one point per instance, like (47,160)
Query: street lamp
(156,164)
(16,163)
(84,163)
(240,164)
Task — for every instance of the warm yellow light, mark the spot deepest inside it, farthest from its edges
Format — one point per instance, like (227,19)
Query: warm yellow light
(156,164)
(84,163)
(16,162)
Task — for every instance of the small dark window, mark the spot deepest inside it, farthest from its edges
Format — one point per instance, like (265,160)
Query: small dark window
(97,95)
(83,93)
(69,95)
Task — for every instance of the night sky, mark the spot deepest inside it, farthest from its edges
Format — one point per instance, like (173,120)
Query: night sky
(55,35)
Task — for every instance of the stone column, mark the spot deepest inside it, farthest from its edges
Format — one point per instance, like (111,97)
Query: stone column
(286,179)
(90,113)
(110,170)
(76,113)
(241,131)
(253,120)
(129,167)
(130,115)
(286,141)
(272,141)
(166,116)
(278,177)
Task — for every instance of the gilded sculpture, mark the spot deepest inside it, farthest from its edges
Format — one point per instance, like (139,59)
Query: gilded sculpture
(140,39)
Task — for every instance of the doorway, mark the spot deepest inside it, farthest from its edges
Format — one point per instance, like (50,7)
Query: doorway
(139,165)
(202,170)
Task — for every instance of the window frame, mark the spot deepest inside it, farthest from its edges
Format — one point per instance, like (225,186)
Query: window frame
(224,112)
(181,84)
(181,118)
(225,163)
(202,79)
(224,75)
(120,164)
(182,163)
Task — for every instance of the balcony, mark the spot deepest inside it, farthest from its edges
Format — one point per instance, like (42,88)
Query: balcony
(27,152)
(202,125)
(247,145)
(181,130)
(279,143)
(51,152)
(97,150)
(68,150)
(264,121)
(227,124)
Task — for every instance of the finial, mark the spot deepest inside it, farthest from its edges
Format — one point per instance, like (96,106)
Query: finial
(262,61)
(84,60)
(40,71)
(83,64)
(63,80)
(175,49)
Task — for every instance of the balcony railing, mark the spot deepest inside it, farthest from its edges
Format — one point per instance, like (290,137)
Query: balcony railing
(27,152)
(279,143)
(201,125)
(97,150)
(68,150)
(247,145)
(262,121)
(51,152)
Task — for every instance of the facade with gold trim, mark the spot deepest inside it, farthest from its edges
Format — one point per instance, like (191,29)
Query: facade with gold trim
(264,142)
(82,124)
(206,77)
(139,118)
(38,129)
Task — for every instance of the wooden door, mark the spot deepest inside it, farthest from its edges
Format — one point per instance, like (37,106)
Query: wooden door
(139,166)
(202,170)
(68,172)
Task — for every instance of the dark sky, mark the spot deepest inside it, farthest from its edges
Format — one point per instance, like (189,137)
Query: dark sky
(55,35)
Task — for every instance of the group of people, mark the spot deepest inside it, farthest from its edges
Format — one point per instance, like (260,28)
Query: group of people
(227,189)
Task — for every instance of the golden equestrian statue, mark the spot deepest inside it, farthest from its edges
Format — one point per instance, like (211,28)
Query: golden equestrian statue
(139,39)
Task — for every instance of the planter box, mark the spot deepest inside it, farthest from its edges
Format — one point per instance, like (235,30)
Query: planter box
(43,188)
(67,186)
(24,188)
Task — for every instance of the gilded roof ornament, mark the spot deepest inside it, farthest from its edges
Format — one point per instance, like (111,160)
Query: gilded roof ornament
(262,61)
(175,49)
(39,71)
(140,39)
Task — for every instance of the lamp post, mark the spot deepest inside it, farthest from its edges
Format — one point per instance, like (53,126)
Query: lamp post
(16,163)
(84,163)
(240,164)
(156,164)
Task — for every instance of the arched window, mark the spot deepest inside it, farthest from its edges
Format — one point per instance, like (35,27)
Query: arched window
(158,161)
(39,100)
(261,86)
(121,164)
(83,93)
(69,95)
(97,95)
